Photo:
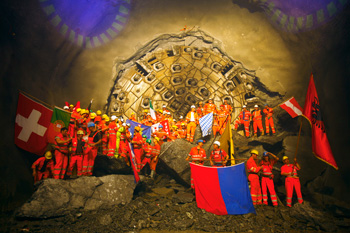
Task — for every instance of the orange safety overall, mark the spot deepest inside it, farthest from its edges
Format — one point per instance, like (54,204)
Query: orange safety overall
(61,156)
(77,158)
(269,120)
(197,155)
(292,182)
(138,151)
(253,178)
(155,154)
(112,138)
(257,122)
(191,126)
(43,172)
(89,159)
(218,157)
(267,181)
(244,118)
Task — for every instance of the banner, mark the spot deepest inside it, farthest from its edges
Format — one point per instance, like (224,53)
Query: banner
(133,163)
(206,124)
(292,107)
(226,142)
(145,130)
(151,110)
(32,122)
(222,190)
(312,111)
(60,119)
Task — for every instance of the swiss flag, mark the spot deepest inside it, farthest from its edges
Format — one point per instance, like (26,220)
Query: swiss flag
(32,122)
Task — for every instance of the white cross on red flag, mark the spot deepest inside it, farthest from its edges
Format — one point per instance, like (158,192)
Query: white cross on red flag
(32,122)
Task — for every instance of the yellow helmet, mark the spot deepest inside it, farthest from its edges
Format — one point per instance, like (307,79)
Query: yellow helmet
(284,158)
(92,115)
(132,113)
(107,119)
(254,152)
(98,112)
(104,116)
(157,139)
(48,155)
(137,128)
(71,106)
(183,124)
(174,126)
(80,132)
(159,110)
(145,110)
(78,109)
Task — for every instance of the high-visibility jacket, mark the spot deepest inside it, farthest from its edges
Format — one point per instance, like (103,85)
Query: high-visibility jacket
(251,166)
(137,140)
(287,168)
(267,168)
(268,112)
(182,132)
(208,108)
(75,144)
(188,117)
(245,115)
(218,156)
(197,155)
(257,115)
(63,148)
(155,150)
(200,111)
(227,108)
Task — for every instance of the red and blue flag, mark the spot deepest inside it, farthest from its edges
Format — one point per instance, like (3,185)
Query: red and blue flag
(222,190)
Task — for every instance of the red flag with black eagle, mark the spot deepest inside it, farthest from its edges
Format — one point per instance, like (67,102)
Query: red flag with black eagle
(312,111)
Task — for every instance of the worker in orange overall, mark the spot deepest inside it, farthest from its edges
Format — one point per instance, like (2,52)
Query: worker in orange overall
(244,119)
(133,117)
(253,178)
(192,121)
(155,156)
(62,142)
(78,151)
(94,141)
(180,121)
(216,125)
(137,142)
(267,177)
(197,156)
(104,132)
(112,138)
(228,109)
(81,123)
(147,152)
(218,157)
(209,107)
(200,109)
(257,121)
(123,138)
(222,118)
(174,134)
(43,167)
(292,180)
(182,131)
(161,134)
(98,117)
(268,119)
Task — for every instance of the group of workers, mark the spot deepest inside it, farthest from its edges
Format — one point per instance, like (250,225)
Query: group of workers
(246,117)
(264,169)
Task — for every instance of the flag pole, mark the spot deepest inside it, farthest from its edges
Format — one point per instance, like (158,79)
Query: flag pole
(296,150)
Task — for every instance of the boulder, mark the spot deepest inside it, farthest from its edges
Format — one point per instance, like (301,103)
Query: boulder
(106,165)
(54,198)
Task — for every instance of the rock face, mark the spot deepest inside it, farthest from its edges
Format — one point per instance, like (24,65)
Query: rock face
(55,198)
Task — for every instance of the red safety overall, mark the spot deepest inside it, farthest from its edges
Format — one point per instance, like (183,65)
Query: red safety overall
(197,155)
(216,126)
(209,107)
(104,141)
(41,171)
(89,159)
(61,156)
(292,181)
(76,158)
(112,138)
(124,149)
(155,154)
(218,157)
(244,118)
(138,151)
(147,155)
(223,119)
(253,178)
(257,122)
(267,181)
(269,120)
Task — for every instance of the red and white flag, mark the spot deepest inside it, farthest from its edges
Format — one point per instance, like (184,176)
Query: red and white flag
(292,107)
(312,111)
(32,122)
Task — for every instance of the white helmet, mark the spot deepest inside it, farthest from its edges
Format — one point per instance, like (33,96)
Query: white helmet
(122,119)
(113,118)
(193,106)
(65,107)
(164,105)
(256,106)
(124,124)
(244,106)
(217,143)
(181,117)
